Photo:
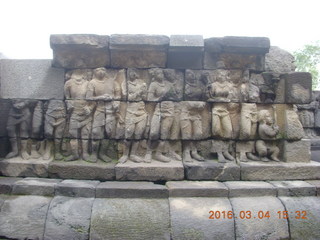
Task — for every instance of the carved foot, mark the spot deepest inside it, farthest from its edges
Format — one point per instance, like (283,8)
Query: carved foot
(123,159)
(265,159)
(252,157)
(91,159)
(159,157)
(221,158)
(35,154)
(71,158)
(187,157)
(25,155)
(135,158)
(12,154)
(196,156)
(148,158)
(275,159)
(228,156)
(175,156)
(104,158)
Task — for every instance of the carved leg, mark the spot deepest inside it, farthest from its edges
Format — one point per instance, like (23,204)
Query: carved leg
(74,150)
(34,152)
(186,153)
(126,152)
(14,146)
(148,156)
(195,155)
(95,150)
(48,149)
(24,150)
(85,155)
(252,157)
(228,156)
(221,158)
(243,157)
(57,149)
(133,155)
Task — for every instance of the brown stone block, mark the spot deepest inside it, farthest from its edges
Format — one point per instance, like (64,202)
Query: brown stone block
(298,87)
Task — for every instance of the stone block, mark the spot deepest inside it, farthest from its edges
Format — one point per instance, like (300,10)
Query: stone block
(297,151)
(197,189)
(77,188)
(293,126)
(250,189)
(5,106)
(211,170)
(251,219)
(154,171)
(80,50)
(130,219)
(138,51)
(190,218)
(73,225)
(31,79)
(304,216)
(315,183)
(213,45)
(298,87)
(82,170)
(279,61)
(35,186)
(253,171)
(294,188)
(24,217)
(232,44)
(6,184)
(131,190)
(185,51)
(4,147)
(18,167)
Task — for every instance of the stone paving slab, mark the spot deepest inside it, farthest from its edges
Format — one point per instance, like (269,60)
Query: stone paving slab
(77,188)
(130,219)
(197,189)
(68,218)
(294,188)
(131,190)
(315,183)
(190,218)
(35,186)
(6,184)
(250,189)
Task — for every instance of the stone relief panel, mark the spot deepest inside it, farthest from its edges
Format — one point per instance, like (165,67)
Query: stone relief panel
(170,128)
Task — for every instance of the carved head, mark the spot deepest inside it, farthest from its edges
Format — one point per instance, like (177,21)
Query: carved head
(157,74)
(79,74)
(169,74)
(133,75)
(19,104)
(99,73)
(221,75)
(190,76)
(265,117)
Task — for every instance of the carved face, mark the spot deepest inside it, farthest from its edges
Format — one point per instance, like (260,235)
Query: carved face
(18,104)
(158,74)
(221,76)
(100,73)
(190,76)
(133,75)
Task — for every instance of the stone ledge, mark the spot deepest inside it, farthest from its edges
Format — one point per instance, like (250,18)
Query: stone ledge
(6,184)
(35,186)
(294,188)
(77,188)
(250,189)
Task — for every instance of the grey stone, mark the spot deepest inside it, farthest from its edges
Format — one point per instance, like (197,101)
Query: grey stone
(82,170)
(213,45)
(18,167)
(297,151)
(24,217)
(80,50)
(279,61)
(4,111)
(190,218)
(6,184)
(131,190)
(139,51)
(234,44)
(315,183)
(4,147)
(154,171)
(68,218)
(298,87)
(35,186)
(279,171)
(31,79)
(294,188)
(304,216)
(130,219)
(211,170)
(197,189)
(185,52)
(251,221)
(77,188)
(250,189)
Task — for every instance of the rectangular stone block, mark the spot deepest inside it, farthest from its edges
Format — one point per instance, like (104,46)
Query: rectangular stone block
(131,190)
(253,171)
(294,188)
(315,183)
(35,186)
(297,151)
(6,184)
(77,188)
(80,50)
(138,51)
(250,189)
(197,189)
(4,147)
(232,44)
(298,87)
(211,170)
(32,79)
(4,111)
(154,171)
(82,170)
(185,51)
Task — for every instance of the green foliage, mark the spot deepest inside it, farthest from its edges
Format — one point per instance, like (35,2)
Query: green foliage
(307,59)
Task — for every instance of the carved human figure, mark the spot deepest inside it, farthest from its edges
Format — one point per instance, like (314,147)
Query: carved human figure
(80,114)
(248,121)
(220,89)
(137,88)
(37,123)
(157,89)
(221,121)
(222,148)
(267,130)
(249,89)
(194,89)
(135,122)
(174,89)
(18,127)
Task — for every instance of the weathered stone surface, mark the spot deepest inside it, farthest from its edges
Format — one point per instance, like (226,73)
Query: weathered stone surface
(294,188)
(4,111)
(246,44)
(68,218)
(210,170)
(82,170)
(294,128)
(131,190)
(190,218)
(116,218)
(80,50)
(35,186)
(77,188)
(279,61)
(197,189)
(297,151)
(315,183)
(250,222)
(154,171)
(185,51)
(24,217)
(304,216)
(18,167)
(139,51)
(7,183)
(279,171)
(250,189)
(32,79)
(298,87)
(4,147)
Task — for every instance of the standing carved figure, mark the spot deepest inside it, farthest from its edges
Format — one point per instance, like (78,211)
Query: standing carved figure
(221,89)
(221,121)
(248,121)
(172,81)
(137,88)
(157,89)
(194,89)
